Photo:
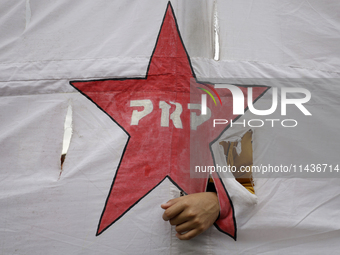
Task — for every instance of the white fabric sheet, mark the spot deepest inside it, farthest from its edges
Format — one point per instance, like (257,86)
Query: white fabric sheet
(46,44)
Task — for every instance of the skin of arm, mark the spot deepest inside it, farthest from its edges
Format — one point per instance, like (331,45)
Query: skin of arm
(192,214)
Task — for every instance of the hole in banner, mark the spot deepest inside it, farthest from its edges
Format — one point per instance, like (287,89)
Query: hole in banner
(240,154)
(67,136)
(216,33)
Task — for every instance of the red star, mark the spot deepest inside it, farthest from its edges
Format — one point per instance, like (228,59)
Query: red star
(157,150)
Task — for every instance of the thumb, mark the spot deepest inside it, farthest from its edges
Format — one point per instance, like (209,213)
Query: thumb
(169,203)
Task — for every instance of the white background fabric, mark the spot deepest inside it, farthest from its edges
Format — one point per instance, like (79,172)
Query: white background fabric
(45,44)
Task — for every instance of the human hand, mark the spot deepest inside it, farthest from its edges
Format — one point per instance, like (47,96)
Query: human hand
(192,214)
